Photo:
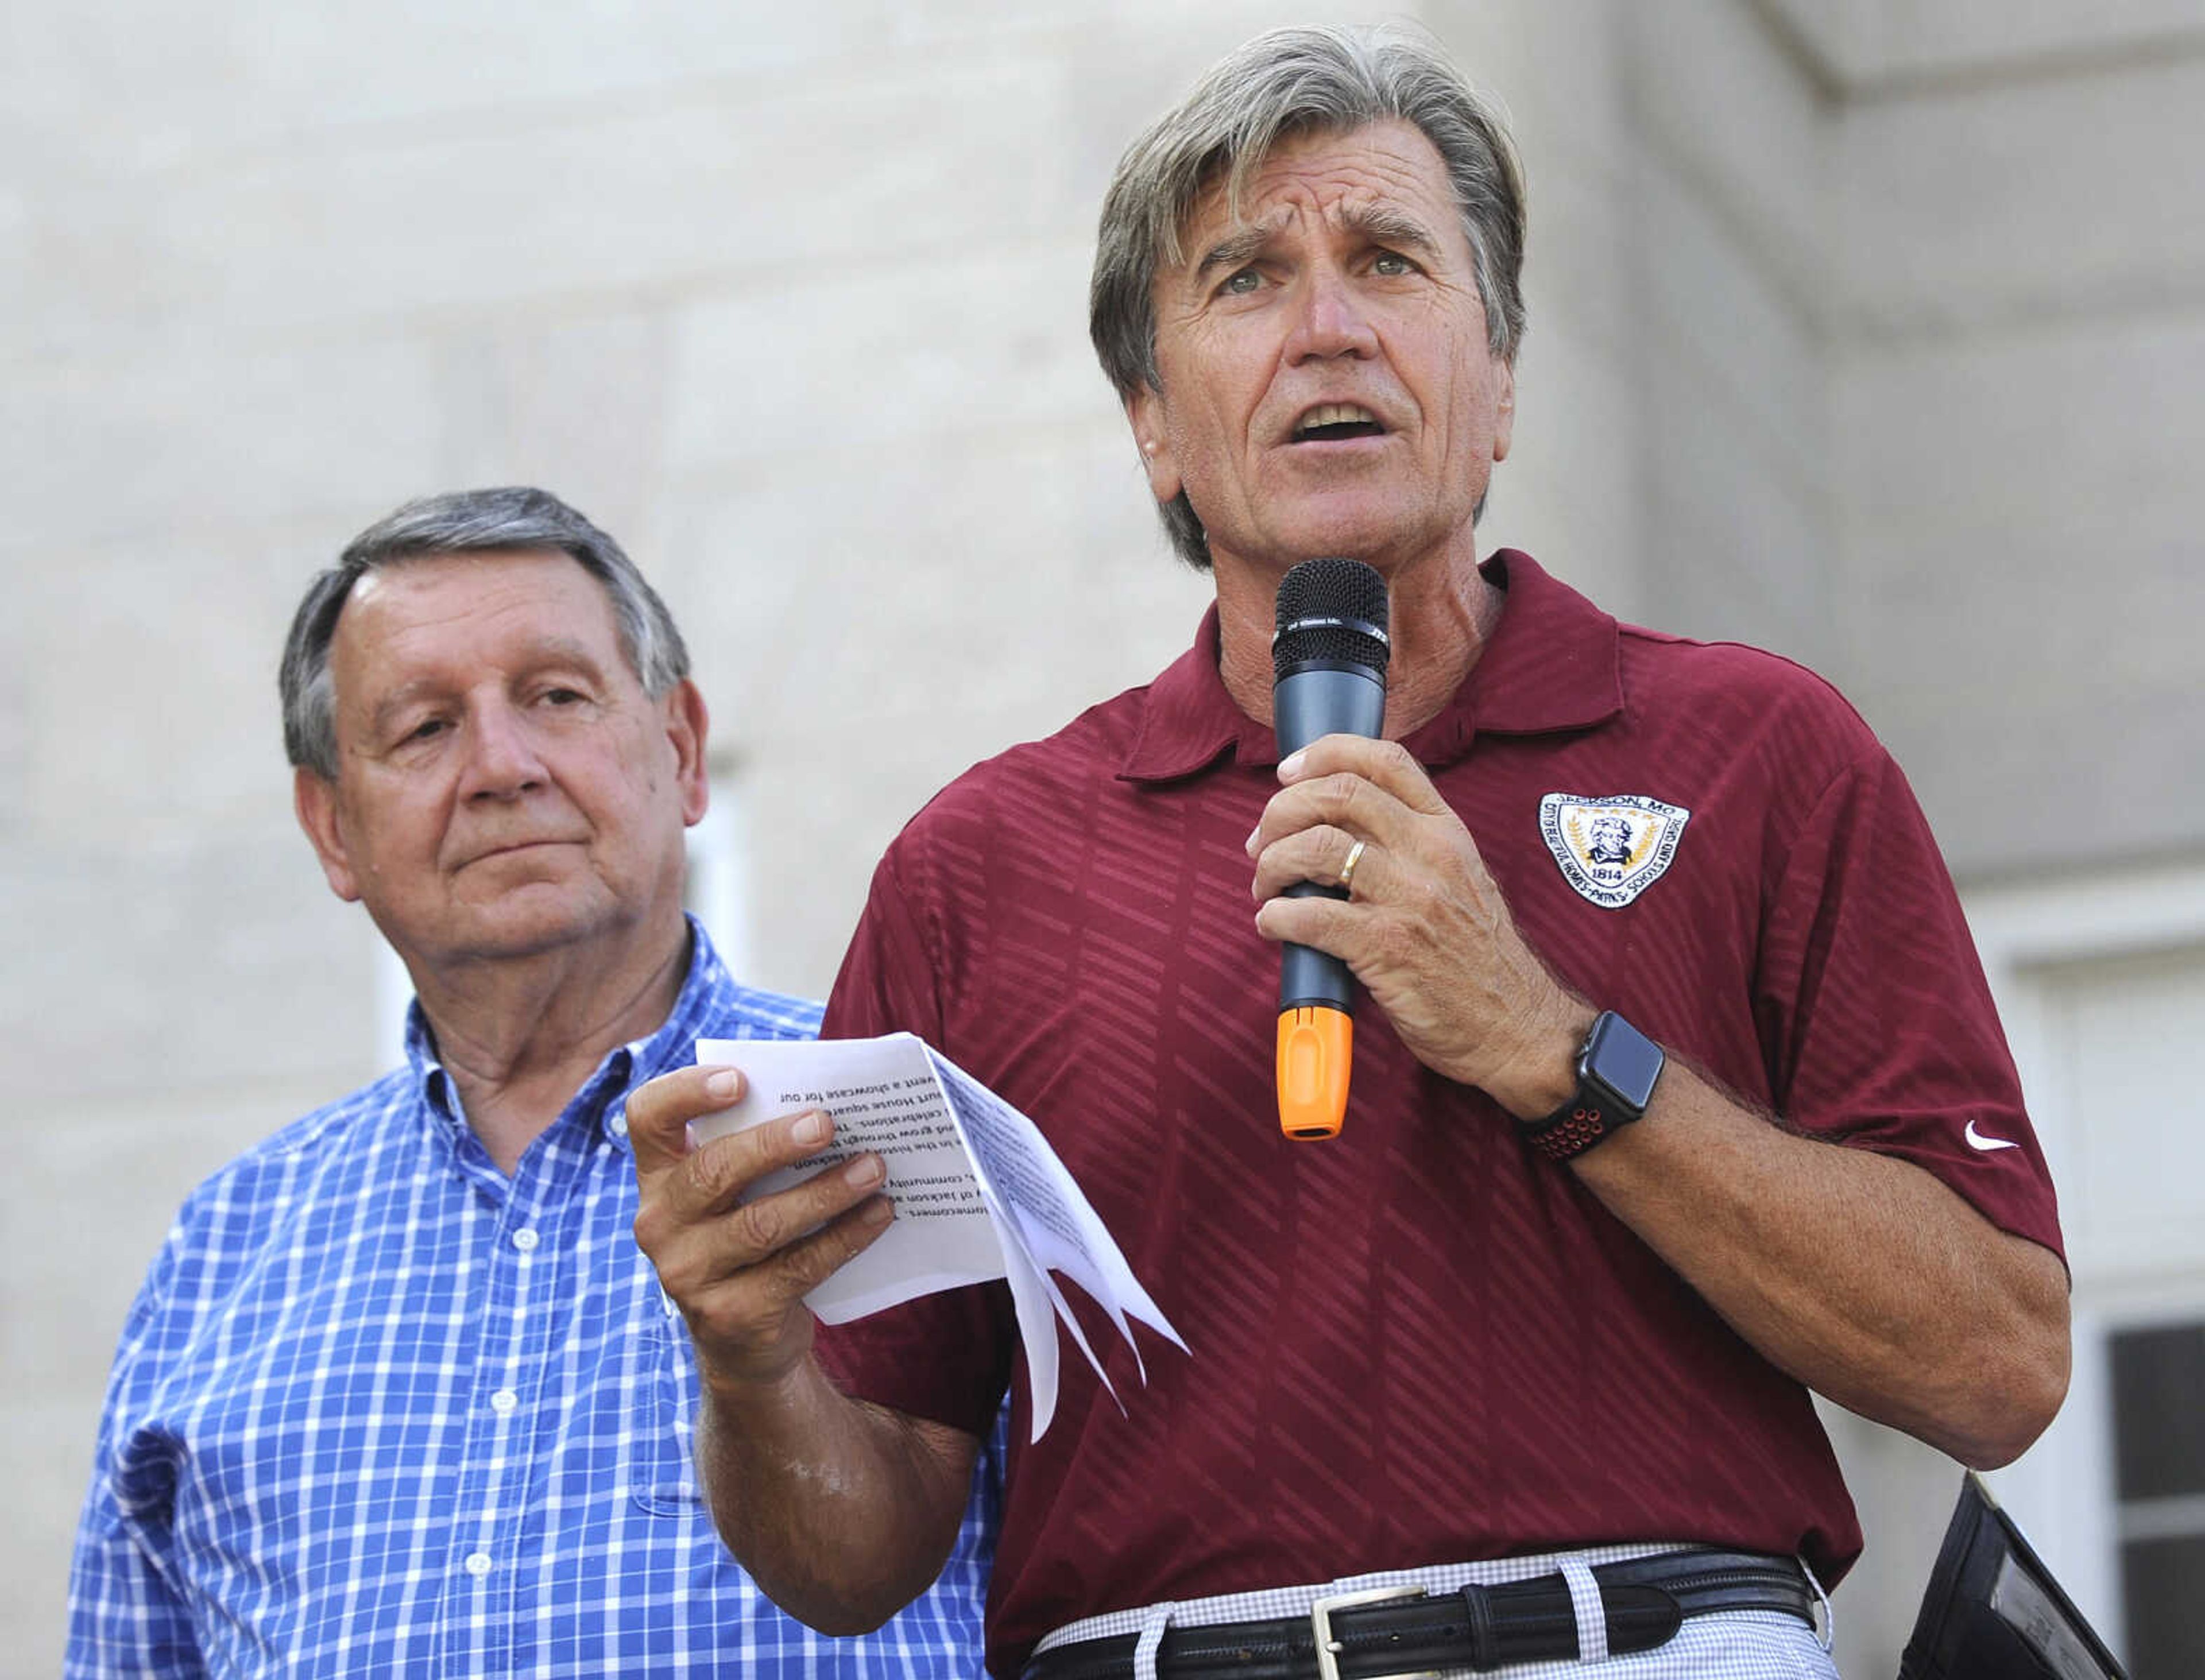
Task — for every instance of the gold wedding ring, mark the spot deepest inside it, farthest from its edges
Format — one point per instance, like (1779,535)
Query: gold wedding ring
(1347,869)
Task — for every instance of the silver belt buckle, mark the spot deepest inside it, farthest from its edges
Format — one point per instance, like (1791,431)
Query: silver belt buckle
(1328,1648)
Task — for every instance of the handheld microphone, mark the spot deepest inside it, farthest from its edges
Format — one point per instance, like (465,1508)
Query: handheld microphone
(1329,661)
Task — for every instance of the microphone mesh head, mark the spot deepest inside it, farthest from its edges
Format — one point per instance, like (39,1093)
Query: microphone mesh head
(1332,609)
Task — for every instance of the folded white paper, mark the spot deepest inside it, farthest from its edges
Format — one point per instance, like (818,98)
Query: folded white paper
(978,1193)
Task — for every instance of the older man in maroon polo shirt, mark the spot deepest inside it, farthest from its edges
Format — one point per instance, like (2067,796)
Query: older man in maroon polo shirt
(1542,1378)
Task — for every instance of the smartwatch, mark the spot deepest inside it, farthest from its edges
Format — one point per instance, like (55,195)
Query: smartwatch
(1616,1071)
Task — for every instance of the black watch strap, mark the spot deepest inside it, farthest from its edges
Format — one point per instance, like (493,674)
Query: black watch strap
(1616,1071)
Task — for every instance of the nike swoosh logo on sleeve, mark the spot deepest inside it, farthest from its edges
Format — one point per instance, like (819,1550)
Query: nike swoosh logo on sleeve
(1978,1141)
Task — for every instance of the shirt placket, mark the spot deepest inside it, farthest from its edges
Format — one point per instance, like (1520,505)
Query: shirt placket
(505,1404)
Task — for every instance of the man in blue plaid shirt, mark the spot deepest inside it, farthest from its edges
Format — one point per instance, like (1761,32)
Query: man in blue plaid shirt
(400,1394)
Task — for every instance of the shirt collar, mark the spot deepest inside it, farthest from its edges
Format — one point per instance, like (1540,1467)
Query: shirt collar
(703,990)
(1553,664)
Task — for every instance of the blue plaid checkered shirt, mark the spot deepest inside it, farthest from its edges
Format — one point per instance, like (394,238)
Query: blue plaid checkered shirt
(379,1410)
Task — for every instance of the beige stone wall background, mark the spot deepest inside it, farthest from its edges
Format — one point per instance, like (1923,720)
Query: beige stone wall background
(1870,331)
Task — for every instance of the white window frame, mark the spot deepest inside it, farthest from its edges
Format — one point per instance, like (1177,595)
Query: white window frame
(2062,1490)
(720,870)
(394,994)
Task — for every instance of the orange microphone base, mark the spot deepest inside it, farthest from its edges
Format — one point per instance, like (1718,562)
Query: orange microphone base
(1315,1044)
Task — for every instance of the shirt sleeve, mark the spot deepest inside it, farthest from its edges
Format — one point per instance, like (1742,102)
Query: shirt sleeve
(947,1355)
(124,1617)
(1875,1018)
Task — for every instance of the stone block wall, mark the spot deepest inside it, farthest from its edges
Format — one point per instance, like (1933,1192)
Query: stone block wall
(1868,331)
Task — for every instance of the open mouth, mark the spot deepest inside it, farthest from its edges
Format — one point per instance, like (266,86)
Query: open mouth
(1332,422)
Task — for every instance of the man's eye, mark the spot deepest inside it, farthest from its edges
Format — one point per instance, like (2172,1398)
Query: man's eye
(1242,282)
(1393,262)
(426,729)
(562,697)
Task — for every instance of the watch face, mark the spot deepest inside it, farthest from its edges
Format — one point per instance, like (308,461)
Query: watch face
(1624,1059)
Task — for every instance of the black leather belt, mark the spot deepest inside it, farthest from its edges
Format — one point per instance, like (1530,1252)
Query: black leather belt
(1407,1631)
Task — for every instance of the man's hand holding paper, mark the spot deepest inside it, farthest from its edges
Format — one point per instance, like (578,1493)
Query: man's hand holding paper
(739,1267)
(755,1237)
(885,1100)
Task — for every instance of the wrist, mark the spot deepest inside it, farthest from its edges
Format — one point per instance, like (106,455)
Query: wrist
(1616,1072)
(753,1388)
(1543,1074)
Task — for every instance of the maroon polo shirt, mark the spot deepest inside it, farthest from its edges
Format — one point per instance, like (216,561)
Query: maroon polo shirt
(1420,1342)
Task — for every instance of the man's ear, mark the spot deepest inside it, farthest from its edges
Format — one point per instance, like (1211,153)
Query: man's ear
(314,798)
(1144,412)
(688,724)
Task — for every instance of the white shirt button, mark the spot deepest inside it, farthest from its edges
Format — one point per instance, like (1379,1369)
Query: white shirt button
(503,1402)
(478,1563)
(524,1239)
(618,1123)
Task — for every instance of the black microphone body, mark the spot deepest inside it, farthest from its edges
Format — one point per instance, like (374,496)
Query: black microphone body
(1329,661)
(1318,700)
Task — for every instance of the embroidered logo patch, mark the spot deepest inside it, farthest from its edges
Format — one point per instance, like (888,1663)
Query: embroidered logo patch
(1611,850)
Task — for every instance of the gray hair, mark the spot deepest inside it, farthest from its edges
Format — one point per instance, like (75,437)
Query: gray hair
(485,521)
(1283,84)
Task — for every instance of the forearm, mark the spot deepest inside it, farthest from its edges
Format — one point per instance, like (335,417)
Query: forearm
(843,1512)
(1862,1276)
